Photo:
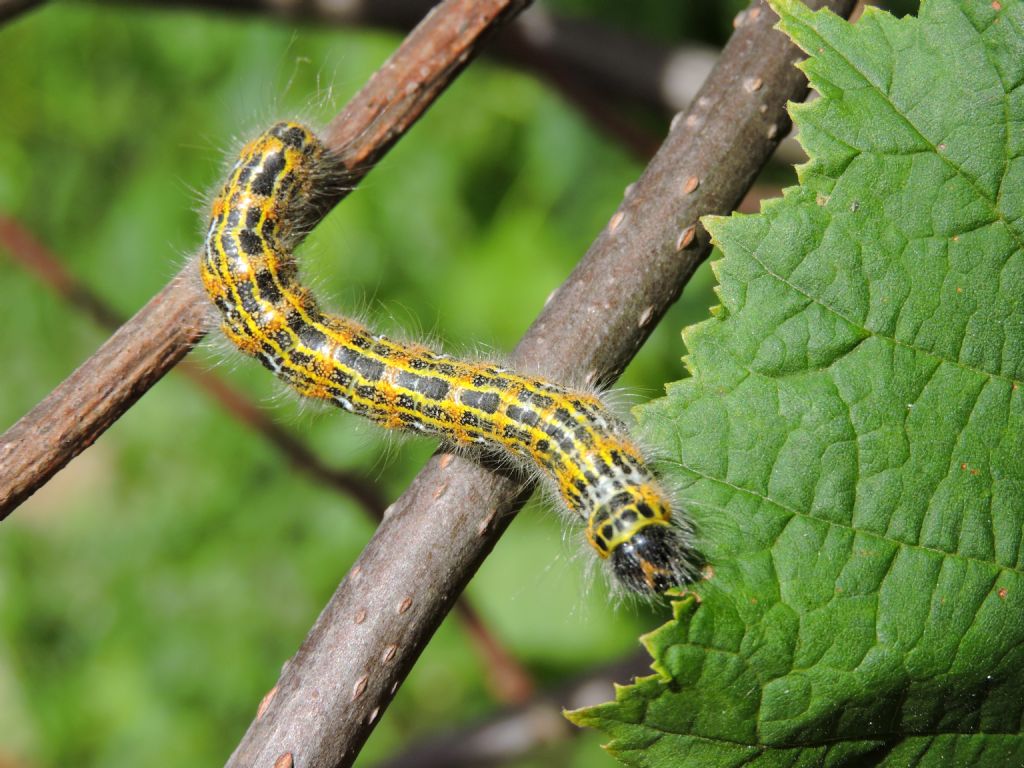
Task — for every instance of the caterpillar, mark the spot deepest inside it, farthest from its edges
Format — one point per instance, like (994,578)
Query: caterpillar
(272,195)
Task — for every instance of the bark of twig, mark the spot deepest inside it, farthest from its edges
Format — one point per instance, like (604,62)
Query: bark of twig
(331,694)
(81,408)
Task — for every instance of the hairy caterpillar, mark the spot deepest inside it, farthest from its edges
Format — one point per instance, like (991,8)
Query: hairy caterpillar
(271,196)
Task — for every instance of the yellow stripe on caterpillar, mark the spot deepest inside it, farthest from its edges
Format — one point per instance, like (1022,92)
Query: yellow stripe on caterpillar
(270,199)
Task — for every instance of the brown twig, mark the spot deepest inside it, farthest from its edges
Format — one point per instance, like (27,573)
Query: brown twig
(81,408)
(12,8)
(331,694)
(510,681)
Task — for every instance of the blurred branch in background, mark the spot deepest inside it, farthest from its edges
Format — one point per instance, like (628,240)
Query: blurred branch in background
(610,63)
(518,732)
(606,73)
(11,8)
(509,680)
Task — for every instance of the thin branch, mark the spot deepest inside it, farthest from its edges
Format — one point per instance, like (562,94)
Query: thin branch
(604,60)
(520,731)
(510,680)
(85,404)
(594,67)
(333,691)
(9,9)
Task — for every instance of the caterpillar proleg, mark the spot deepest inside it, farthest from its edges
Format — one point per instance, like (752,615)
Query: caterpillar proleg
(570,437)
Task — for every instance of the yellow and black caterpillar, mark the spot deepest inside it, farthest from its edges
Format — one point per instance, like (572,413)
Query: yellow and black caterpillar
(248,269)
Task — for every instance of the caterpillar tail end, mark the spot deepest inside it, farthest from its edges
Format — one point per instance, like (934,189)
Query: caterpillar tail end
(653,560)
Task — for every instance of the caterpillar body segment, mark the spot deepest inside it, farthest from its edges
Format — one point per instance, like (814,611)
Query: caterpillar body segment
(249,271)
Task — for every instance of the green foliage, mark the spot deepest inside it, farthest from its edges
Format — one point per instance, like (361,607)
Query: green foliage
(851,443)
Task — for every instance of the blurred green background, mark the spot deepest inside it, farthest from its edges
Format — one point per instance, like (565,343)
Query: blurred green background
(150,593)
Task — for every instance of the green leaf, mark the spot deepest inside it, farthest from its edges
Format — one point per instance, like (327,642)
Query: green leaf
(851,442)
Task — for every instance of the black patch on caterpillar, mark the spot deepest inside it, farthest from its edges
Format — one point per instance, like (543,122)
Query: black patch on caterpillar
(340,377)
(620,500)
(367,392)
(428,386)
(310,336)
(273,164)
(584,436)
(523,415)
(486,381)
(252,244)
(485,401)
(269,229)
(535,399)
(411,420)
(565,418)
(246,298)
(437,413)
(267,287)
(281,337)
(228,245)
(292,135)
(556,434)
(519,435)
(618,461)
(301,359)
(371,370)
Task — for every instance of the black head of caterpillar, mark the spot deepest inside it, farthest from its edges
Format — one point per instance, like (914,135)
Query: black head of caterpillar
(279,187)
(649,550)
